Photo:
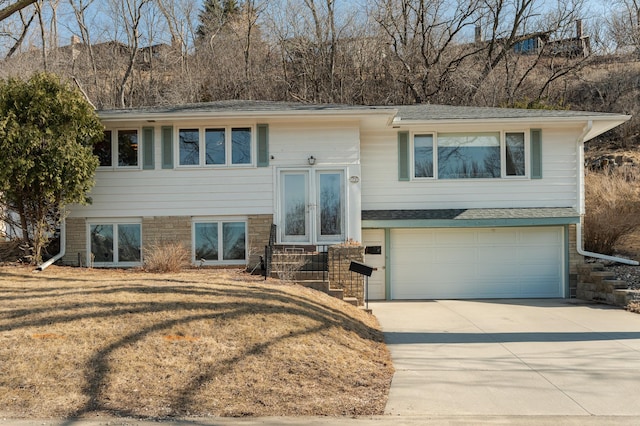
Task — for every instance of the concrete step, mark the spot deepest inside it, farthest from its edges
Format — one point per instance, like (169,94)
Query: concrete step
(614,284)
(338,293)
(300,275)
(319,285)
(351,300)
(599,276)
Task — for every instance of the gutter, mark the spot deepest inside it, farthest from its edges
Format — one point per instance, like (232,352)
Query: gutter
(581,207)
(63,248)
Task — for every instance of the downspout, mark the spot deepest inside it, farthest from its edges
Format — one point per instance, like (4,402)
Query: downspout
(581,207)
(63,241)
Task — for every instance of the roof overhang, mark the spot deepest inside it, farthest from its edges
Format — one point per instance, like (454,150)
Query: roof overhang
(469,218)
(600,123)
(377,114)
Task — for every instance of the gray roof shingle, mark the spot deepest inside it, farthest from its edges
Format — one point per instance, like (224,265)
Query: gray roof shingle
(447,112)
(422,112)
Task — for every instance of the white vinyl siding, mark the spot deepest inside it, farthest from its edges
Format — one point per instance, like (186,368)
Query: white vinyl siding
(381,189)
(229,190)
(477,263)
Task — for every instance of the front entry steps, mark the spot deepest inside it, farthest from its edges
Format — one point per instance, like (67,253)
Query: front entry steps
(598,285)
(324,287)
(308,268)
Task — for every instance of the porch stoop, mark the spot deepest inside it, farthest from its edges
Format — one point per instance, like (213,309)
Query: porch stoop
(307,268)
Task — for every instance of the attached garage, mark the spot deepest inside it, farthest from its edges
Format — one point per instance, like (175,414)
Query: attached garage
(465,263)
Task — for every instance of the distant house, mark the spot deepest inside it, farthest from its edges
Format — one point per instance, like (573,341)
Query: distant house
(451,202)
(541,42)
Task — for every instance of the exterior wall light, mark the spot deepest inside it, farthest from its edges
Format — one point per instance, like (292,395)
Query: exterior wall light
(311,160)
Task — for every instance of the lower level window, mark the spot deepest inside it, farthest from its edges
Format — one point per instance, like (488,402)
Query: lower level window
(116,243)
(220,241)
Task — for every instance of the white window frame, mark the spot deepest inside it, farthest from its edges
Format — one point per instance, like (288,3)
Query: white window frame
(503,154)
(413,156)
(503,158)
(115,223)
(220,221)
(228,131)
(115,149)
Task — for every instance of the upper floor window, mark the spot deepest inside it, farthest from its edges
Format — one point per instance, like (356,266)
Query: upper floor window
(127,148)
(482,155)
(124,148)
(103,150)
(215,146)
(514,154)
(468,155)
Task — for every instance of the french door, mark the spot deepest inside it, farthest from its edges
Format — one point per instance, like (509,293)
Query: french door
(312,206)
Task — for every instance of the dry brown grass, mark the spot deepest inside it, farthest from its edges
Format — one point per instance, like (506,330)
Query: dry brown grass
(612,208)
(199,343)
(633,307)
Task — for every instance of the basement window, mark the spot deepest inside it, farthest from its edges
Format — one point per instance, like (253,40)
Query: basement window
(115,244)
(220,242)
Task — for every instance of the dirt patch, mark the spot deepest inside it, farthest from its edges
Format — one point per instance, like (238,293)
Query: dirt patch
(197,343)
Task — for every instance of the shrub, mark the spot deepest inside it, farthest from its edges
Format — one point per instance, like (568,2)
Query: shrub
(166,257)
(612,208)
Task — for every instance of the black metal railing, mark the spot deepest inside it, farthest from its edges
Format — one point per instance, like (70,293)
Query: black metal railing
(310,263)
(268,252)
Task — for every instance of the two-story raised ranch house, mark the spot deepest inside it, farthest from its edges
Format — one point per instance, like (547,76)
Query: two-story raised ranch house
(452,202)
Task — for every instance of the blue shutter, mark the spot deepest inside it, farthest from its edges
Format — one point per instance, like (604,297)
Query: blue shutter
(403,156)
(148,151)
(263,145)
(167,147)
(536,154)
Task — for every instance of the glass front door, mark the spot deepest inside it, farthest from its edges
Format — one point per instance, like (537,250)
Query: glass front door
(312,206)
(295,207)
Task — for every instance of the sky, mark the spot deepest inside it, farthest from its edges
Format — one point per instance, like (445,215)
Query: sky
(100,21)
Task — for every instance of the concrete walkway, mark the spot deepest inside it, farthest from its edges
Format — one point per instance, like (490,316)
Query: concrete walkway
(512,358)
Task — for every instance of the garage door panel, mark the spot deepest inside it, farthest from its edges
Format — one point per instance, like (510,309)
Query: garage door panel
(453,255)
(477,263)
(494,255)
(454,239)
(492,238)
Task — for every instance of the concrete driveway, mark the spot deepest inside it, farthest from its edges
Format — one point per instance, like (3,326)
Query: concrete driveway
(511,357)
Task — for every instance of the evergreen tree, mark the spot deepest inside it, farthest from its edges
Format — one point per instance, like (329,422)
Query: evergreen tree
(215,15)
(47,133)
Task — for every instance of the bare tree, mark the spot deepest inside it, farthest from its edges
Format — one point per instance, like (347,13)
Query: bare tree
(19,39)
(129,13)
(79,8)
(426,42)
(522,59)
(624,25)
(13,7)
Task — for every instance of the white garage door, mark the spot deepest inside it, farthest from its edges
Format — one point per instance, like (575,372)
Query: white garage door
(477,263)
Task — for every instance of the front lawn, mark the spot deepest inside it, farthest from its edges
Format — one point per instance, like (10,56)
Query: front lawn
(78,342)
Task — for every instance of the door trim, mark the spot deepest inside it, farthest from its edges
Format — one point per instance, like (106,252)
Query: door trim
(312,213)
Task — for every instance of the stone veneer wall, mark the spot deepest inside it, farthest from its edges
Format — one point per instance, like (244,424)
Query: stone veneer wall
(76,243)
(575,260)
(170,229)
(258,230)
(339,259)
(157,229)
(598,285)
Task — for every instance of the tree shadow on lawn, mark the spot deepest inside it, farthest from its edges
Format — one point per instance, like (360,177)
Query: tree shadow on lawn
(254,300)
